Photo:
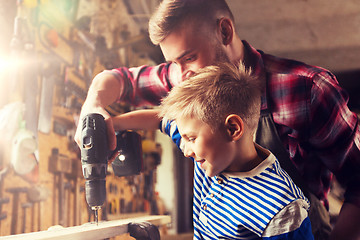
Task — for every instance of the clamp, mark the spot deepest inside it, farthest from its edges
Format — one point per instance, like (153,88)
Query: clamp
(144,231)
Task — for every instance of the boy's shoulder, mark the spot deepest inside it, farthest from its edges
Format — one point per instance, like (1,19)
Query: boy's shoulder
(267,191)
(293,217)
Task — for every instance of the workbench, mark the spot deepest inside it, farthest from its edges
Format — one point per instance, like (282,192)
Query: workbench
(90,231)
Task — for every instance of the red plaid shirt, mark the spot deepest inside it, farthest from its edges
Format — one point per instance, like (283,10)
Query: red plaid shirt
(308,106)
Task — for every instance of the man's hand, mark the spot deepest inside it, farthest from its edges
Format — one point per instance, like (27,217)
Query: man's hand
(108,121)
(103,91)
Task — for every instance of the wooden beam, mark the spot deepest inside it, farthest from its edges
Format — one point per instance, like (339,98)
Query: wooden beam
(90,231)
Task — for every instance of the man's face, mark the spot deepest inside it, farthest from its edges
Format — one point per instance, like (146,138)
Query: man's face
(211,148)
(191,49)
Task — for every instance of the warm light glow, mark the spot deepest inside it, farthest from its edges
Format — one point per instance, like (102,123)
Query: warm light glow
(10,63)
(122,157)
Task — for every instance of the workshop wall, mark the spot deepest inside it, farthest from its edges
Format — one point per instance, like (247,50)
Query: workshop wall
(59,46)
(67,42)
(321,32)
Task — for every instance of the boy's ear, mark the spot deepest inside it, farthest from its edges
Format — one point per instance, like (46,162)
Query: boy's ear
(226,30)
(234,126)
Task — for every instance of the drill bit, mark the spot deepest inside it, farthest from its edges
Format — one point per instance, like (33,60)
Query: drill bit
(96,216)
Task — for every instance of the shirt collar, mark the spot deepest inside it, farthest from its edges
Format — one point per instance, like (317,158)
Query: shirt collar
(253,59)
(268,162)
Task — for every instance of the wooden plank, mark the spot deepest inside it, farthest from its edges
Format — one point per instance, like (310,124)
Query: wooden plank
(90,231)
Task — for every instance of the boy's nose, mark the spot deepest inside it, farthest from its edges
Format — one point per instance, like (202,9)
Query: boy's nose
(188,152)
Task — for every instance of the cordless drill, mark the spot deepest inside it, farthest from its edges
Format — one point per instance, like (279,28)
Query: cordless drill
(95,154)
(94,159)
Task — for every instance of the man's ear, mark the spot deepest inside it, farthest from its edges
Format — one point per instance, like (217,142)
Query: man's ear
(234,126)
(226,30)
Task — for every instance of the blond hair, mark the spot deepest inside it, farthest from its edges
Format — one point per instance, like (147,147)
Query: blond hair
(170,14)
(213,93)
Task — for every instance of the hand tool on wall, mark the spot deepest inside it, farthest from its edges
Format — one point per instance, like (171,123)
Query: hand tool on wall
(22,47)
(74,177)
(36,195)
(60,165)
(50,76)
(114,205)
(23,158)
(24,206)
(68,187)
(3,200)
(61,198)
(15,206)
(3,215)
(95,154)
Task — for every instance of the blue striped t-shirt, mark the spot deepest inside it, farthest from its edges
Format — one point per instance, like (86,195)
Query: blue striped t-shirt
(263,203)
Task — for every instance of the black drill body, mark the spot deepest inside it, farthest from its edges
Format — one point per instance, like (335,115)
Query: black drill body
(94,159)
(95,154)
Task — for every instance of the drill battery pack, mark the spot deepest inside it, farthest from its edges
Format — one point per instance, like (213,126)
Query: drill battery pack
(129,157)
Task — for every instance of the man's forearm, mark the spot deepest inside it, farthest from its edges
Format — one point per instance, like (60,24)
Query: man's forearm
(347,224)
(137,120)
(103,91)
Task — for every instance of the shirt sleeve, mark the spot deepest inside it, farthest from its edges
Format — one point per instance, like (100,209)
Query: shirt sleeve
(335,134)
(169,128)
(291,223)
(146,85)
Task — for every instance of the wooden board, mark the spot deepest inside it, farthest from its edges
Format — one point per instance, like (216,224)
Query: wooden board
(90,231)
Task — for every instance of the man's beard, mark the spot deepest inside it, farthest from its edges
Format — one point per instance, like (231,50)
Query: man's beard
(220,55)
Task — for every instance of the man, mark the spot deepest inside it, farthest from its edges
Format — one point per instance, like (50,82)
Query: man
(240,190)
(304,108)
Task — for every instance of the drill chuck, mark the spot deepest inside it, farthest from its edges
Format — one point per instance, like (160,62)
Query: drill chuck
(94,158)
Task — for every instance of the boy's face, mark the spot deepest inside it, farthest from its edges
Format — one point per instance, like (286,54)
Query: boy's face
(212,149)
(191,49)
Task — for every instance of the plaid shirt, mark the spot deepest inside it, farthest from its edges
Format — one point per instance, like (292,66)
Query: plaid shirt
(308,106)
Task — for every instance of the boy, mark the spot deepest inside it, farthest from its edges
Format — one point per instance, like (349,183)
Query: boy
(240,191)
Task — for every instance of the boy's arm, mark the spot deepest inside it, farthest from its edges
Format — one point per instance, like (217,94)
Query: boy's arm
(146,119)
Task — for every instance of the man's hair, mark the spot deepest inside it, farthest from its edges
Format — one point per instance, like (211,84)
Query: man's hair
(213,93)
(170,14)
